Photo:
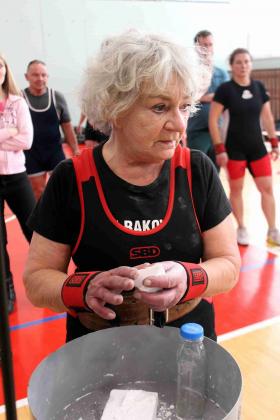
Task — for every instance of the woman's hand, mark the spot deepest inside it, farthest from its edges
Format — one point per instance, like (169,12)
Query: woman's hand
(79,129)
(76,152)
(106,288)
(222,159)
(173,283)
(274,153)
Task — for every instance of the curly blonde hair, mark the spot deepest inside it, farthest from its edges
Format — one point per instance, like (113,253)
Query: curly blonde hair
(134,64)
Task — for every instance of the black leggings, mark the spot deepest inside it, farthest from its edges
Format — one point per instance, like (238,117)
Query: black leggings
(16,191)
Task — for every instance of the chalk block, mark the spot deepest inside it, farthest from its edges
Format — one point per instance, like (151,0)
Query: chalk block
(131,405)
(156,269)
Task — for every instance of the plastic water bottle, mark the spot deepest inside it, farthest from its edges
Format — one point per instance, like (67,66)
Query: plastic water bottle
(192,372)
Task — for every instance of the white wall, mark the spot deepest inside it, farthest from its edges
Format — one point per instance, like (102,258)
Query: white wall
(65,33)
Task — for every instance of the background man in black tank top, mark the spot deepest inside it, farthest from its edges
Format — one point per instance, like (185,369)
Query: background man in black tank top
(49,112)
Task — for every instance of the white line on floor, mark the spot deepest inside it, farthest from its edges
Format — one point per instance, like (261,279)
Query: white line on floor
(248,329)
(10,218)
(19,404)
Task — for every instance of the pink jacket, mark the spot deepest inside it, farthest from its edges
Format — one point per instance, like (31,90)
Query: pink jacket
(15,115)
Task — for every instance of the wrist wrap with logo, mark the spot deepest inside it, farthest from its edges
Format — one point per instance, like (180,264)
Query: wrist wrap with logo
(197,281)
(74,290)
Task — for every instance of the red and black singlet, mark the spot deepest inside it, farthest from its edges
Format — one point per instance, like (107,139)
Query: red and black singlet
(93,219)
(104,243)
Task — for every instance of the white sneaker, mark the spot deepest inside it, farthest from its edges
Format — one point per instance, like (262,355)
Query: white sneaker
(242,236)
(273,237)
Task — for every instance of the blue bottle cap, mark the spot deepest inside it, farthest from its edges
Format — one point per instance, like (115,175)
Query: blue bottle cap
(191,331)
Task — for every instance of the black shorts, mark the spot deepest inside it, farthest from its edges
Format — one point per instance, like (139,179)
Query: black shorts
(96,135)
(36,164)
(202,314)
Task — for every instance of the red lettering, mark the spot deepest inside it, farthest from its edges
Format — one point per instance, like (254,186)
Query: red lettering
(144,252)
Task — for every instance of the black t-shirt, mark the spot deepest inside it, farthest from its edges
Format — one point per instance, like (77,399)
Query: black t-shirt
(57,214)
(94,134)
(244,103)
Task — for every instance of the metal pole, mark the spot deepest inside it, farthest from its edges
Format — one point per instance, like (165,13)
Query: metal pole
(5,343)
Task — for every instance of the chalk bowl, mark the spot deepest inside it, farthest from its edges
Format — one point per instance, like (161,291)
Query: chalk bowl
(75,381)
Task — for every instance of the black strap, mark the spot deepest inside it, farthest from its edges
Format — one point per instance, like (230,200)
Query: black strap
(159,319)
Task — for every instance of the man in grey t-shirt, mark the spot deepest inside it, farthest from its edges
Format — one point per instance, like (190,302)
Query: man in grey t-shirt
(198,135)
(49,112)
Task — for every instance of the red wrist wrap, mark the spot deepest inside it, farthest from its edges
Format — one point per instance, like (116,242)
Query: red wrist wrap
(74,290)
(274,142)
(219,148)
(197,281)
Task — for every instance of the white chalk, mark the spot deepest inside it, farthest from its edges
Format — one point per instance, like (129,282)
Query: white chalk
(131,404)
(156,269)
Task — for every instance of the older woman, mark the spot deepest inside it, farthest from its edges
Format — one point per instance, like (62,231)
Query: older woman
(138,199)
(247,102)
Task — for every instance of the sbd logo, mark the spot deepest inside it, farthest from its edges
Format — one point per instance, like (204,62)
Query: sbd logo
(144,252)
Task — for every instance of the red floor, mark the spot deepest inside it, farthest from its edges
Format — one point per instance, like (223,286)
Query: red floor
(257,294)
(37,332)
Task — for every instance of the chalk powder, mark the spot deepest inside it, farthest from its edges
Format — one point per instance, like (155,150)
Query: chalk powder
(90,405)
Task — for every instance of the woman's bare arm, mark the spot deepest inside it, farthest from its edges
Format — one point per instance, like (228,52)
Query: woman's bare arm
(45,272)
(221,259)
